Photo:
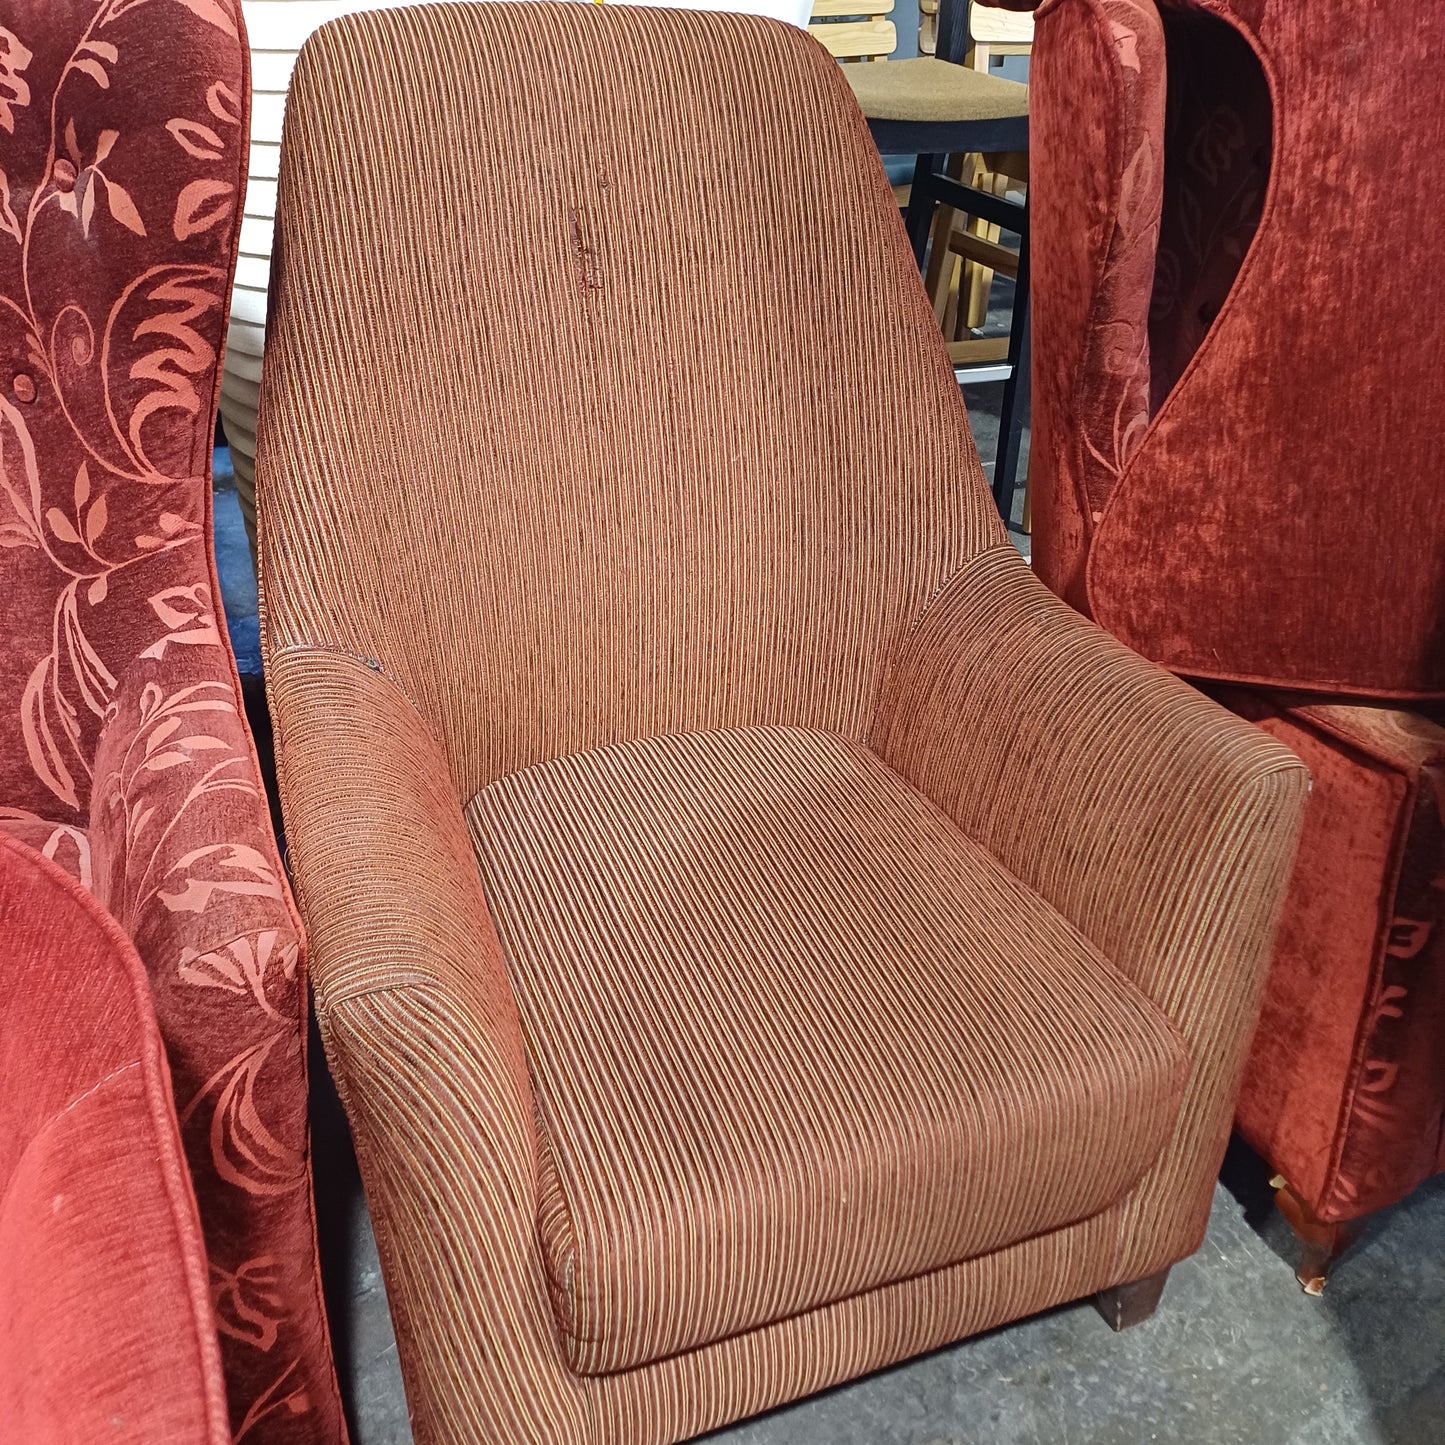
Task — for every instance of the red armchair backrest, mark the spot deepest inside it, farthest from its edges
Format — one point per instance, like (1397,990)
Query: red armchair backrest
(123,129)
(1248,481)
(123,748)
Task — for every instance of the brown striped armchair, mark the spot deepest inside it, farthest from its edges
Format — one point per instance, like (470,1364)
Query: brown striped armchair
(759,933)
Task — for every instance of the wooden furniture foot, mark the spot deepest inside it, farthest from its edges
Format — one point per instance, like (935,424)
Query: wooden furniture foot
(1321,1243)
(1131,1304)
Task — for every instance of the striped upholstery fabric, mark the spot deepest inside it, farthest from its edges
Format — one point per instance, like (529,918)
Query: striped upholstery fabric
(583,492)
(1135,807)
(571,473)
(793,1035)
(276,29)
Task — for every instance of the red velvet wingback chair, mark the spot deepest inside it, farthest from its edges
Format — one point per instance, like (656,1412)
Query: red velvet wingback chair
(1239,469)
(124,755)
(106,1329)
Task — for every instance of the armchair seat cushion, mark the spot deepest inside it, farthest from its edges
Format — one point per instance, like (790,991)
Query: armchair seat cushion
(793,1035)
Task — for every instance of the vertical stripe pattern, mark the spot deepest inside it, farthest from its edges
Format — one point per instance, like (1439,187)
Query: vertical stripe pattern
(556,304)
(1141,810)
(277,29)
(794,1036)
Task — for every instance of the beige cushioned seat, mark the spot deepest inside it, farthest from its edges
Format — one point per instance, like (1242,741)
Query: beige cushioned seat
(926,89)
(793,1035)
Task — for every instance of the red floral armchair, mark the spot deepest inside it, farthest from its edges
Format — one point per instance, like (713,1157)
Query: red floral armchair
(124,756)
(1237,469)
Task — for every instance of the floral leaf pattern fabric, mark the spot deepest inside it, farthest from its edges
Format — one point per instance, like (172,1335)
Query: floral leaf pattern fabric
(125,756)
(1113,380)
(1098,157)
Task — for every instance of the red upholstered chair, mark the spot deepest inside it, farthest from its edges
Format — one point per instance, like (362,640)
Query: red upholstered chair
(106,1328)
(721,856)
(123,751)
(1237,469)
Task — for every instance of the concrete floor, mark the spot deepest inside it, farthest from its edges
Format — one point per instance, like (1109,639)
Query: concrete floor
(1237,1354)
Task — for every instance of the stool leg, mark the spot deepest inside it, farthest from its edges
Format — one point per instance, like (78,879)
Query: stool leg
(1014,412)
(920,207)
(980,277)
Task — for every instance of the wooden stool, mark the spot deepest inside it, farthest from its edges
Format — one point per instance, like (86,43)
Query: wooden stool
(932,108)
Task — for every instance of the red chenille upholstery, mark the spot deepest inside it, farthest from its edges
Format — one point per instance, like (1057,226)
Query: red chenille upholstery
(1297,556)
(1238,469)
(106,1330)
(1345,1089)
(123,751)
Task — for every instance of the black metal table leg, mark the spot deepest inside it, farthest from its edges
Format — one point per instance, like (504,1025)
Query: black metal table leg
(919,215)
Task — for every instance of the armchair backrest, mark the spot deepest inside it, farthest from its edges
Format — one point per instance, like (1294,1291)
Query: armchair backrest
(122,157)
(1238,453)
(589,411)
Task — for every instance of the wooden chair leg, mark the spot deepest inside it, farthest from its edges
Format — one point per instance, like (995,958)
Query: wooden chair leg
(980,277)
(1131,1304)
(939,279)
(1321,1243)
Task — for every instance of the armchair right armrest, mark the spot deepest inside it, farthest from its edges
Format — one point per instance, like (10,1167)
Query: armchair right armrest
(1161,825)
